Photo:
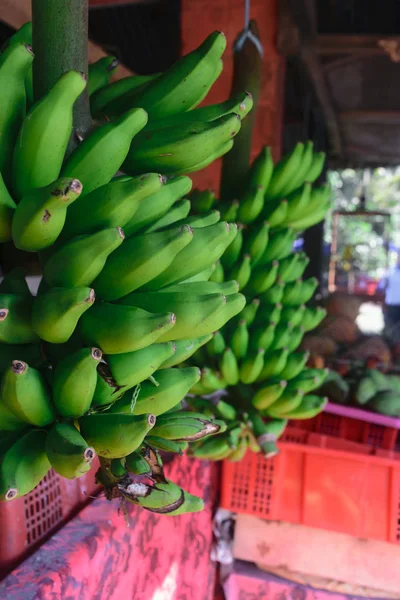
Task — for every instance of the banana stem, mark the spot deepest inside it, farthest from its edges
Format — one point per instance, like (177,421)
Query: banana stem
(247,67)
(60,44)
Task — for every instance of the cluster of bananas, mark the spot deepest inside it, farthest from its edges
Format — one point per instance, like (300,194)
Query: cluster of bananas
(89,364)
(254,358)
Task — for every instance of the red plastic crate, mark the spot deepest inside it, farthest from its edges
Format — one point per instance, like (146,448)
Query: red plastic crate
(319,481)
(27,521)
(378,431)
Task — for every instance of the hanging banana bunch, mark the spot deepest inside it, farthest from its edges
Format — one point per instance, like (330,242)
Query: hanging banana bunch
(254,376)
(90,364)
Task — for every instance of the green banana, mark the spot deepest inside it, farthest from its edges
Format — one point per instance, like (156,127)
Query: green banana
(196,315)
(202,200)
(365,390)
(204,220)
(56,313)
(316,167)
(44,135)
(211,381)
(269,313)
(115,435)
(172,386)
(216,345)
(268,433)
(22,35)
(241,272)
(75,381)
(16,312)
(294,315)
(309,407)
(118,470)
(263,336)
(285,172)
(279,246)
(179,211)
(140,260)
(181,87)
(189,288)
(232,252)
(184,349)
(96,160)
(158,204)
(249,312)
(312,217)
(7,210)
(274,294)
(274,363)
(166,445)
(256,241)
(306,162)
(240,339)
(276,213)
(9,421)
(118,329)
(14,64)
(204,275)
(262,278)
(229,367)
(298,202)
(115,90)
(25,393)
(67,451)
(164,498)
(23,465)
(178,150)
(267,395)
(214,448)
(78,262)
(251,204)
(295,364)
(107,391)
(239,453)
(229,213)
(100,73)
(40,216)
(289,400)
(299,292)
(131,368)
(183,426)
(296,338)
(111,205)
(312,317)
(289,270)
(224,409)
(252,366)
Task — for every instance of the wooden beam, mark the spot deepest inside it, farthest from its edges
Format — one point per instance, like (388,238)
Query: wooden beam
(17,12)
(110,3)
(366,45)
(380,117)
(316,75)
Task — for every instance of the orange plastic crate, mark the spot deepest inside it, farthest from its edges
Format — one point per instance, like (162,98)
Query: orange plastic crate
(319,481)
(27,521)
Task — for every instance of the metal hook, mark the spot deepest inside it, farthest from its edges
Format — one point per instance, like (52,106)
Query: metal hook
(247,33)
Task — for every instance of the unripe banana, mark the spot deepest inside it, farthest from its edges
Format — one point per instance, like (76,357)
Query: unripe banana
(22,35)
(107,391)
(158,204)
(252,366)
(206,247)
(78,262)
(240,340)
(216,345)
(202,200)
(184,85)
(279,246)
(274,294)
(312,317)
(179,211)
(23,465)
(306,162)
(293,314)
(241,272)
(140,260)
(294,365)
(25,393)
(282,336)
(256,241)
(204,220)
(274,363)
(239,453)
(111,205)
(202,275)
(15,319)
(249,312)
(75,381)
(276,213)
(270,313)
(295,338)
(232,252)
(164,498)
(214,448)
(186,426)
(67,451)
(284,172)
(9,421)
(224,410)
(262,278)
(229,367)
(7,209)
(211,380)
(189,288)
(118,329)
(96,160)
(56,313)
(100,73)
(167,445)
(131,368)
(40,216)
(218,274)
(14,64)
(184,349)
(268,433)
(288,401)
(251,204)
(263,337)
(309,407)
(115,435)
(44,135)
(267,395)
(316,167)
(230,212)
(298,202)
(171,386)
(103,97)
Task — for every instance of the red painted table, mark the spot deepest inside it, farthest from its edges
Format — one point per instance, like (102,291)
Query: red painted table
(97,557)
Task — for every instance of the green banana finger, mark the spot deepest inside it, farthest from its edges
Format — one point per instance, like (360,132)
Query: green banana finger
(67,451)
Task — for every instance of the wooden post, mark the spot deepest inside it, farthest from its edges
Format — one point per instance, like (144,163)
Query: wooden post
(202,17)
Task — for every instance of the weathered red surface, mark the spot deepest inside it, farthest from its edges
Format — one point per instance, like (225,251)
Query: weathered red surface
(247,582)
(97,557)
(198,20)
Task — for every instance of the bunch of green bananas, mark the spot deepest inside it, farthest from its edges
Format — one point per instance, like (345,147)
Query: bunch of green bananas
(89,364)
(255,357)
